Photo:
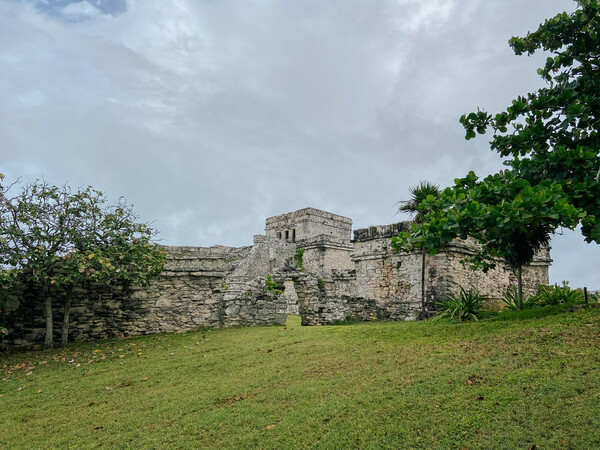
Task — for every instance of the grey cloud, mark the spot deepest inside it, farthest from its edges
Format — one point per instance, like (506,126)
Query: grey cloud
(79,10)
(211,116)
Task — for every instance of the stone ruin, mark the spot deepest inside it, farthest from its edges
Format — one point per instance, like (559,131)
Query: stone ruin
(322,273)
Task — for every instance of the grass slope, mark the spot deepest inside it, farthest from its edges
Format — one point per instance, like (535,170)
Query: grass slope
(500,384)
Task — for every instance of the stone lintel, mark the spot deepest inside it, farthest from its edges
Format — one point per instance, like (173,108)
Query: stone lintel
(324,241)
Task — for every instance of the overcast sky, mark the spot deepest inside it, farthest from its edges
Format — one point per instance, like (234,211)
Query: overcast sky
(210,116)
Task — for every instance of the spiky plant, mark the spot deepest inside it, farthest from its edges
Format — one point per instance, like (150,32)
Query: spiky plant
(465,306)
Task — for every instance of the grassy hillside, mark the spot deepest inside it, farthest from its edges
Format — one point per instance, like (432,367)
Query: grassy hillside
(501,384)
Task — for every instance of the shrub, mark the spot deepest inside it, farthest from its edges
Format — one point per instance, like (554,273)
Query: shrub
(466,306)
(321,284)
(559,295)
(271,286)
(299,259)
(511,300)
(347,321)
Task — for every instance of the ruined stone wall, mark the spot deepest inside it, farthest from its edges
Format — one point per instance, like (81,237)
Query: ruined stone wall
(321,302)
(225,286)
(307,223)
(447,275)
(324,254)
(191,292)
(392,280)
(169,304)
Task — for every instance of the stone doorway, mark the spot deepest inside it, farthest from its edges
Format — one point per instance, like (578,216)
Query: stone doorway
(291,297)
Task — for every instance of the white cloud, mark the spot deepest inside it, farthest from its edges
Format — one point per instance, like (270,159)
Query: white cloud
(426,16)
(211,116)
(80,11)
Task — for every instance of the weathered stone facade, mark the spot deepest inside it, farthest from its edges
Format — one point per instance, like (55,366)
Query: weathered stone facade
(224,286)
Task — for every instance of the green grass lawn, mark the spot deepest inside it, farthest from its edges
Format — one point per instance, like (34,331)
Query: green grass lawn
(499,384)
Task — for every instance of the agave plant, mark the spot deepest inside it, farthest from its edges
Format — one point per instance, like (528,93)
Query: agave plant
(466,306)
(511,300)
(559,295)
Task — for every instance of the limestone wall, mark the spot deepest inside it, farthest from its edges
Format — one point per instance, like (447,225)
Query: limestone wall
(447,274)
(307,223)
(321,302)
(191,292)
(324,254)
(226,286)
(394,281)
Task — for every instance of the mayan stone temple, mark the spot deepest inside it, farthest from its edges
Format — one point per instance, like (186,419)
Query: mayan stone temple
(321,272)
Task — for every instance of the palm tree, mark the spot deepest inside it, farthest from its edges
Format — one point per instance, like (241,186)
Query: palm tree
(418,194)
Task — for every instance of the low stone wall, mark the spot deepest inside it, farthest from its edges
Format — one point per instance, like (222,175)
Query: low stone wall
(321,302)
(394,279)
(191,292)
(447,275)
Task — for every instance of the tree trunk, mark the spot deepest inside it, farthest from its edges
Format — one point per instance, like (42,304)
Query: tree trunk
(520,285)
(64,339)
(423,281)
(49,323)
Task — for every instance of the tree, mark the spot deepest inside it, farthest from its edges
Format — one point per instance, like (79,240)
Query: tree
(418,194)
(552,152)
(509,219)
(58,239)
(111,247)
(554,132)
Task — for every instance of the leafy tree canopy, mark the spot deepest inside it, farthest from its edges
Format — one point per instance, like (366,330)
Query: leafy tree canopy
(550,143)
(59,238)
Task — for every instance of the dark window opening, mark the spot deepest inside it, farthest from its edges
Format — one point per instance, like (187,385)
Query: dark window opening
(287,235)
(279,235)
(294,235)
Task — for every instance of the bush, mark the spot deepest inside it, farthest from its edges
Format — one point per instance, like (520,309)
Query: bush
(466,306)
(321,284)
(271,286)
(349,320)
(299,259)
(511,300)
(559,295)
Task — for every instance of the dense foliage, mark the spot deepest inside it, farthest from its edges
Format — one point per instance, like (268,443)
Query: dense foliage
(550,141)
(549,296)
(58,239)
(418,194)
